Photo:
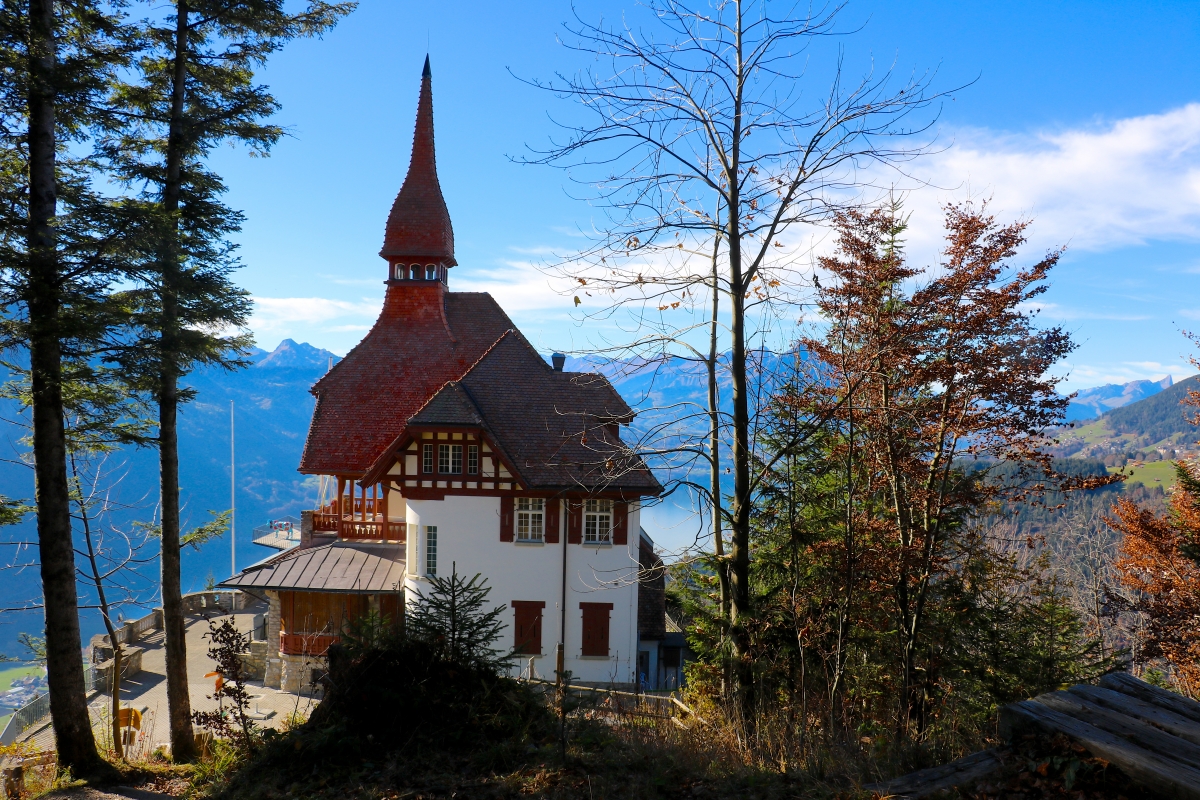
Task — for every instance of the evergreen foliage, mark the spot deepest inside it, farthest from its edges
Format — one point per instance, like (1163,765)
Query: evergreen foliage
(454,620)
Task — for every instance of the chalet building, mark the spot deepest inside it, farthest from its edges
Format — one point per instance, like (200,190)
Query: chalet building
(448,443)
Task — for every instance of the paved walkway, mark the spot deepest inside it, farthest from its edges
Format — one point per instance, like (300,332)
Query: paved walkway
(147,691)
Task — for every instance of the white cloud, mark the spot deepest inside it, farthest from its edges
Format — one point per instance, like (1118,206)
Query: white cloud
(517,286)
(1095,188)
(1085,376)
(1054,311)
(287,313)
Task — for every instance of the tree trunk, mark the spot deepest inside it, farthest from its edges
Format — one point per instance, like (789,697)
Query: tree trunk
(739,566)
(714,447)
(179,706)
(105,611)
(64,653)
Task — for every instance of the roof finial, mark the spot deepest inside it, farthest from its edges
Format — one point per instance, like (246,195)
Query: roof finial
(419,224)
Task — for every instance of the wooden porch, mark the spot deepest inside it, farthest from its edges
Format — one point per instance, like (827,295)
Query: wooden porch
(359,515)
(311,622)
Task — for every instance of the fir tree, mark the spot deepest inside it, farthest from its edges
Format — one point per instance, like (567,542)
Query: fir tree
(61,246)
(194,90)
(454,618)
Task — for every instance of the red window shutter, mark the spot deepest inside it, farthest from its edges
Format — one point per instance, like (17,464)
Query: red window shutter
(527,627)
(595,628)
(574,521)
(506,519)
(620,523)
(551,518)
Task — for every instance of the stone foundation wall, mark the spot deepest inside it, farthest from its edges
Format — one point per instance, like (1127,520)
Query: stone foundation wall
(254,662)
(297,673)
(273,669)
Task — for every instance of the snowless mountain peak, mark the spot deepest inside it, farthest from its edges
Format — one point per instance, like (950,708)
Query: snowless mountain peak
(291,354)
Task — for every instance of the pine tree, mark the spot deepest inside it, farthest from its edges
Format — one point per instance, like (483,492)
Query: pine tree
(454,618)
(194,90)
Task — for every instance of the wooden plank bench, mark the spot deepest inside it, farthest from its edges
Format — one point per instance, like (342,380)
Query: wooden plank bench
(1150,734)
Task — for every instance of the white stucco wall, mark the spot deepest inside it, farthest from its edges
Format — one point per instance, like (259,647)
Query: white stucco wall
(469,539)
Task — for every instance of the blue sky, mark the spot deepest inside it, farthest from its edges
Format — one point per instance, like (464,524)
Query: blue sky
(1084,116)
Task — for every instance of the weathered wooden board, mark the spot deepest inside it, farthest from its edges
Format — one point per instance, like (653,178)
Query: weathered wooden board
(1129,728)
(1156,772)
(1157,716)
(925,782)
(1125,683)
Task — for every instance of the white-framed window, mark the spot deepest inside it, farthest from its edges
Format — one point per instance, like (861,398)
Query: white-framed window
(427,459)
(415,270)
(450,459)
(472,459)
(401,272)
(430,272)
(431,550)
(531,518)
(597,521)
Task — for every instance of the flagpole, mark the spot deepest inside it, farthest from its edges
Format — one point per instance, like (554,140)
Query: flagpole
(232,500)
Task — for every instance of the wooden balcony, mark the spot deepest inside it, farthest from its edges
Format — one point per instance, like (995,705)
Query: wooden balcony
(372,530)
(325,521)
(306,644)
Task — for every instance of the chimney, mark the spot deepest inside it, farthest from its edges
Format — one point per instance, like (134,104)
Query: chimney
(559,361)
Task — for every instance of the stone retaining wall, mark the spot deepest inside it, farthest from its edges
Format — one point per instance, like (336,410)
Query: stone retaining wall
(131,664)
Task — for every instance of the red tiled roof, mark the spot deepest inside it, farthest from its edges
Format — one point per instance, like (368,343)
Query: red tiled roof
(424,337)
(557,429)
(419,224)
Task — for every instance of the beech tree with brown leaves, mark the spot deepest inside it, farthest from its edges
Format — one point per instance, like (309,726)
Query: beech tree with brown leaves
(928,372)
(1160,563)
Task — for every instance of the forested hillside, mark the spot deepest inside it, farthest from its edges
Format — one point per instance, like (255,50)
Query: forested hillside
(1159,417)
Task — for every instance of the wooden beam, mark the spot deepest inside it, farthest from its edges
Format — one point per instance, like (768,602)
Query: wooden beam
(1159,773)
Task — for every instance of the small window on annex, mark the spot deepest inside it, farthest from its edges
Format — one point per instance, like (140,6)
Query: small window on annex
(473,459)
(597,521)
(427,459)
(530,519)
(450,459)
(431,550)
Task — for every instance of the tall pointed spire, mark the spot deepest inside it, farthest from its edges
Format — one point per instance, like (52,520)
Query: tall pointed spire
(419,225)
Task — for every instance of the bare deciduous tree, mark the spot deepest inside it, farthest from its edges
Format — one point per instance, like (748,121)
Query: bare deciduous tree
(699,139)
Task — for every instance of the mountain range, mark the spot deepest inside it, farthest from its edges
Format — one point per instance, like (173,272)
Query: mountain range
(271,407)
(1091,403)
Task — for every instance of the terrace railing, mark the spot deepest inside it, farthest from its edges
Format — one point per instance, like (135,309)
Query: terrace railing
(306,644)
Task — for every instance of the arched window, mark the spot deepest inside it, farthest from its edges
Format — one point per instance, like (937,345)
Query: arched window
(430,272)
(416,272)
(400,271)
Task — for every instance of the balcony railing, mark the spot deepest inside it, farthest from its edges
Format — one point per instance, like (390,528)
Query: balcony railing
(372,530)
(355,504)
(325,521)
(306,644)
